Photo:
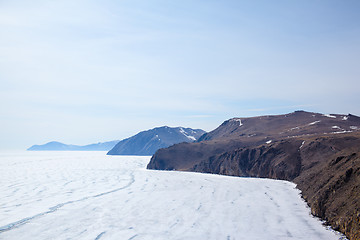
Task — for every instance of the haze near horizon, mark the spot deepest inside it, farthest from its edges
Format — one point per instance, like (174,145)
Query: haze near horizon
(81,72)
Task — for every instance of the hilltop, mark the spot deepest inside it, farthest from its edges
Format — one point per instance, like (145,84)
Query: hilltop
(148,142)
(318,152)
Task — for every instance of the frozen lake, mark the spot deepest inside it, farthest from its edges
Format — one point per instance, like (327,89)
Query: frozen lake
(88,195)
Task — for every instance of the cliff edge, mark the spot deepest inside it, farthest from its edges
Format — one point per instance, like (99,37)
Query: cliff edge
(318,152)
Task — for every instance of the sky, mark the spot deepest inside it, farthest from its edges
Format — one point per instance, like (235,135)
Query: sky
(80,72)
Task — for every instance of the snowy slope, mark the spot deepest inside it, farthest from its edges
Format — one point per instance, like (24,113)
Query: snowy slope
(146,143)
(72,195)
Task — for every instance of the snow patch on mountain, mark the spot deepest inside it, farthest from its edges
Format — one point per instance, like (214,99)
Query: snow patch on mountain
(192,138)
(302,144)
(339,132)
(329,116)
(237,120)
(313,123)
(240,123)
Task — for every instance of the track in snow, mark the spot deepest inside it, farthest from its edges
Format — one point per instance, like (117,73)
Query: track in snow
(88,195)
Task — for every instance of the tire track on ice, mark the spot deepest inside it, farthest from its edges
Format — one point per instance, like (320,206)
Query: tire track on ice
(23,221)
(100,235)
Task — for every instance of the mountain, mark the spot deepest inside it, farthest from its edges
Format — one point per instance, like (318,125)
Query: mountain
(58,146)
(245,132)
(101,146)
(148,142)
(318,152)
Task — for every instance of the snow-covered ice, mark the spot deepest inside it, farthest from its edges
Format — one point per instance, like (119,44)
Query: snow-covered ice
(89,195)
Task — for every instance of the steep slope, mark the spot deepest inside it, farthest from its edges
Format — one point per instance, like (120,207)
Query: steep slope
(58,146)
(148,142)
(326,169)
(245,132)
(320,153)
(330,181)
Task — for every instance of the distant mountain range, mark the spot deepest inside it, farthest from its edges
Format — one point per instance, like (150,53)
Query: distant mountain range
(318,152)
(58,146)
(143,143)
(148,142)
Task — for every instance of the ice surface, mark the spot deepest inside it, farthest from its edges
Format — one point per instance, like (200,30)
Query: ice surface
(90,195)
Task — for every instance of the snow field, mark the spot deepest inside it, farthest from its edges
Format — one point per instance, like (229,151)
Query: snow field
(88,195)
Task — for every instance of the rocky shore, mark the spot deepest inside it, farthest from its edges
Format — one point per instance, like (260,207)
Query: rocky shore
(320,153)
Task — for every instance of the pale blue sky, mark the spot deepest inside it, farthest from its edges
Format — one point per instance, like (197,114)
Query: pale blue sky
(87,71)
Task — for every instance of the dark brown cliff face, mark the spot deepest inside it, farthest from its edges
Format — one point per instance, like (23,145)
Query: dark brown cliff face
(332,186)
(323,160)
(326,170)
(280,161)
(183,156)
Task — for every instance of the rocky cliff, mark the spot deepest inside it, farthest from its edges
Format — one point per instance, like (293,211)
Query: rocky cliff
(320,153)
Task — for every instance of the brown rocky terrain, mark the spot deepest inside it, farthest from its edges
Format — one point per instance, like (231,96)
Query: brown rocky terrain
(320,153)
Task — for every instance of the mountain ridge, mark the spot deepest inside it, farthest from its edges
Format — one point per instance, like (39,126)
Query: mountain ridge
(58,146)
(149,141)
(318,152)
